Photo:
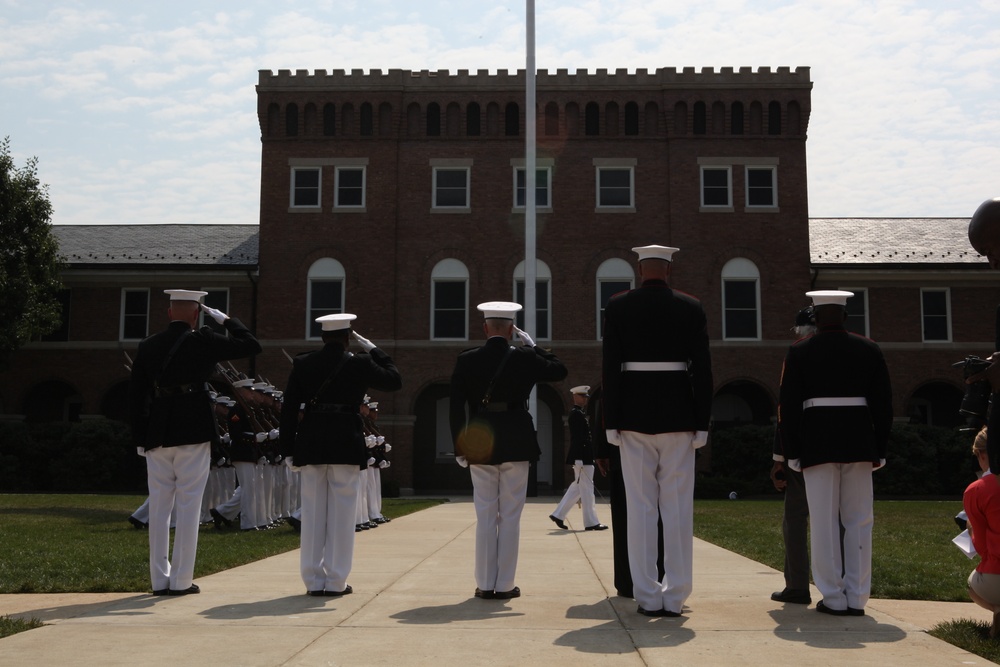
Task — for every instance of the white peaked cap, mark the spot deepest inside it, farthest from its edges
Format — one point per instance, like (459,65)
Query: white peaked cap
(185,295)
(582,389)
(336,321)
(500,310)
(829,297)
(373,405)
(655,252)
(248,382)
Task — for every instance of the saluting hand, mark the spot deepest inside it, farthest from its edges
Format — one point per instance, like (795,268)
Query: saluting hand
(525,338)
(365,344)
(215,313)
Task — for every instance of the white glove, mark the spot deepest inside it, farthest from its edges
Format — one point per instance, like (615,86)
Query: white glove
(700,439)
(881,464)
(215,313)
(794,464)
(370,441)
(460,460)
(260,437)
(614,436)
(262,461)
(221,462)
(383,464)
(525,338)
(371,460)
(290,465)
(379,439)
(365,344)
(272,434)
(140,451)
(388,448)
(226,438)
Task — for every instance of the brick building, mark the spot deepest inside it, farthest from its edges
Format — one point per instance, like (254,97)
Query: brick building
(399,196)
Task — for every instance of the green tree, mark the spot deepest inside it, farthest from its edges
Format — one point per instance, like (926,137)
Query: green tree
(29,257)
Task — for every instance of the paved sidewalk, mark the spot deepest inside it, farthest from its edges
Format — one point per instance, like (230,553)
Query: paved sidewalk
(413,605)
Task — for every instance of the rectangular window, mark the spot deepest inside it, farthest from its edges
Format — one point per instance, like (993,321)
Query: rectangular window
(716,186)
(62,333)
(614,187)
(349,187)
(543,317)
(326,297)
(762,186)
(857,311)
(450,319)
(934,308)
(608,288)
(740,309)
(541,187)
(451,188)
(135,314)
(305,187)
(218,299)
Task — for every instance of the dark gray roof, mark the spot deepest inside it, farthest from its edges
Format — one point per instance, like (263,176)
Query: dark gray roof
(175,245)
(891,241)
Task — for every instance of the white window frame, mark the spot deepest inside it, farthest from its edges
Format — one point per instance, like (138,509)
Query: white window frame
(541,165)
(614,164)
(439,165)
(121,312)
(614,270)
(358,208)
(741,269)
(728,206)
(325,269)
(449,270)
(542,275)
(319,188)
(923,315)
(864,290)
(773,206)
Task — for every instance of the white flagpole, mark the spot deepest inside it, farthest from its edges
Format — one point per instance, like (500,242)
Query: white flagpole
(530,269)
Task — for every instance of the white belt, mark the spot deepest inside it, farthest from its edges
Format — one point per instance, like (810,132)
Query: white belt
(655,366)
(834,402)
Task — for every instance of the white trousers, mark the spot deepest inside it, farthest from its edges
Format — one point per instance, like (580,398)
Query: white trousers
(243,501)
(176,477)
(374,489)
(841,493)
(361,514)
(658,470)
(329,501)
(581,489)
(498,493)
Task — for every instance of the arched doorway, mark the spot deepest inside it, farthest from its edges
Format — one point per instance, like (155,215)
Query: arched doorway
(742,402)
(936,404)
(52,401)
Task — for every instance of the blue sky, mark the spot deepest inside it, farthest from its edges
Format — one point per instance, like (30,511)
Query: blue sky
(145,112)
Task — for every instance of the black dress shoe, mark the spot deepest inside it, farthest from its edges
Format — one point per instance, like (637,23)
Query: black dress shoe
(138,525)
(357,528)
(191,590)
(315,594)
(823,609)
(792,596)
(162,591)
(295,524)
(336,594)
(654,613)
(598,526)
(219,520)
(485,595)
(373,524)
(506,595)
(851,611)
(559,522)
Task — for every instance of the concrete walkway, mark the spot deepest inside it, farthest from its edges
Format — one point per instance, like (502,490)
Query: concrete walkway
(413,605)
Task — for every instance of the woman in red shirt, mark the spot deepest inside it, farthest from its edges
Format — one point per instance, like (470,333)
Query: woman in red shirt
(982,506)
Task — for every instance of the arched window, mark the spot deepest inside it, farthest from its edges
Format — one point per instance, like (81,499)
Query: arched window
(736,118)
(453,119)
(367,120)
(492,119)
(794,118)
(611,119)
(512,120)
(700,120)
(473,120)
(613,276)
(652,119)
(292,120)
(740,300)
(631,119)
(551,119)
(449,300)
(413,120)
(325,293)
(384,119)
(329,120)
(756,118)
(273,119)
(347,120)
(543,298)
(774,118)
(433,120)
(572,119)
(680,118)
(718,118)
(592,119)
(309,120)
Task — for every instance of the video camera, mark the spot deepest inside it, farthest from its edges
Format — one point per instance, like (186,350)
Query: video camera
(976,401)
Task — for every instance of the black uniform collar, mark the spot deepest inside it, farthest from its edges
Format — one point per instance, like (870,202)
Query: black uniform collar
(831,328)
(654,282)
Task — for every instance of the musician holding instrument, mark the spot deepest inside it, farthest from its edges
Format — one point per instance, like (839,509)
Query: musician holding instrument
(328,445)
(173,425)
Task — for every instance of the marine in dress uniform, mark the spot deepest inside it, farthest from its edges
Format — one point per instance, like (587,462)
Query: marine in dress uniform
(834,418)
(328,445)
(173,424)
(657,395)
(497,439)
(581,457)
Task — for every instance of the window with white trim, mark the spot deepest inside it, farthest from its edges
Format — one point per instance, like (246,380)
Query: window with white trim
(218,299)
(325,293)
(857,310)
(740,300)
(613,276)
(935,314)
(449,300)
(543,299)
(615,187)
(305,187)
(762,187)
(451,187)
(717,187)
(134,314)
(349,187)
(543,177)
